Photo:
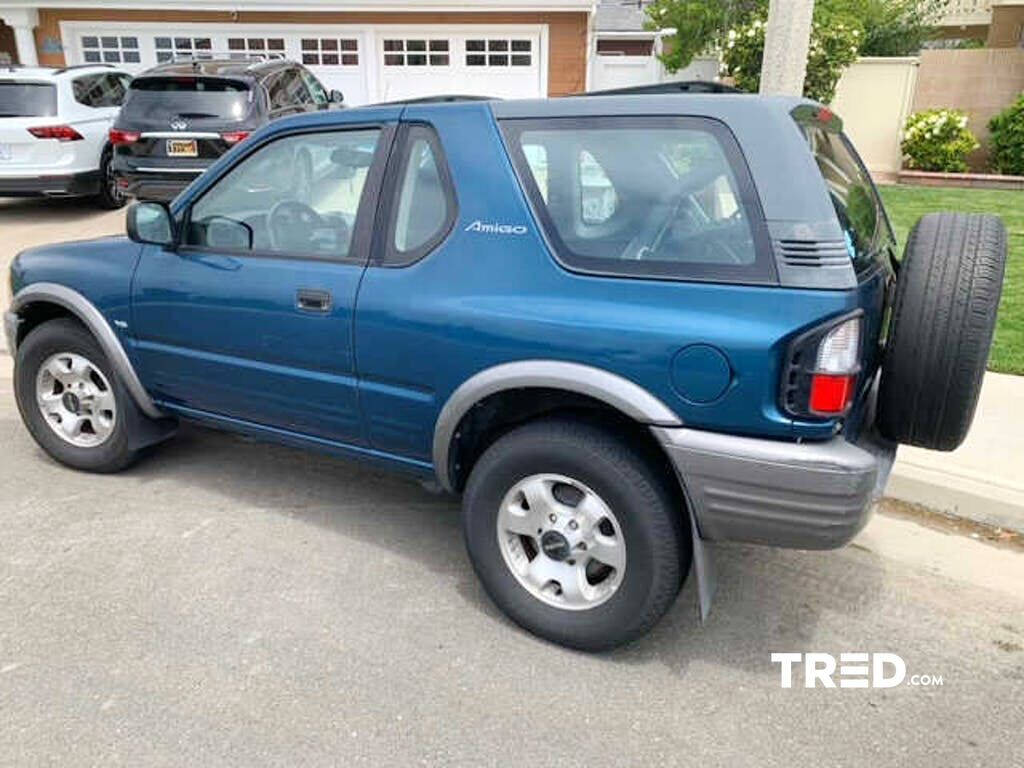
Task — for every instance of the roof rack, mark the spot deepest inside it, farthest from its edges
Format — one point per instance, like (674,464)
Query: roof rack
(199,58)
(681,86)
(443,98)
(62,70)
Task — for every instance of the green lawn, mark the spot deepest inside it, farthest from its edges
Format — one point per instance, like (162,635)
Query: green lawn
(905,204)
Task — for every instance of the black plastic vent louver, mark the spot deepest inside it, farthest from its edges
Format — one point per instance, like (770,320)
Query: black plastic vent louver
(813,253)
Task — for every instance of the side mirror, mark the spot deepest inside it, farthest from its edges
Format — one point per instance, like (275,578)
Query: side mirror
(151,223)
(336,96)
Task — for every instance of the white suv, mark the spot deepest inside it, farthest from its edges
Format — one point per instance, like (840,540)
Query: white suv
(53,131)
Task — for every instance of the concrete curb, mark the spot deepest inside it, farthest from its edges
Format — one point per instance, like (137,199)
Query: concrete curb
(976,499)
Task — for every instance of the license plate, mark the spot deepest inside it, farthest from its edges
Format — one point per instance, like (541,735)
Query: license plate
(6,152)
(182,148)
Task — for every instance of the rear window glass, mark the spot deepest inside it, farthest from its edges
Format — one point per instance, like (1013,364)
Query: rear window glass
(27,100)
(189,97)
(853,196)
(658,197)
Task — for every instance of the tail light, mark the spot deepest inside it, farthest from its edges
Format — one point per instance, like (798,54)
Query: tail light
(820,376)
(234,137)
(58,132)
(121,138)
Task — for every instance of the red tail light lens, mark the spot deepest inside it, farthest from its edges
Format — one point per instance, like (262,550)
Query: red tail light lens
(122,138)
(233,137)
(58,132)
(831,395)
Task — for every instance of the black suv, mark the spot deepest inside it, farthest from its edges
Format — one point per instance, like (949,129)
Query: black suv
(181,116)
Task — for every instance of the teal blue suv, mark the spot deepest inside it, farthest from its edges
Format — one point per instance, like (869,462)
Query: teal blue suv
(621,328)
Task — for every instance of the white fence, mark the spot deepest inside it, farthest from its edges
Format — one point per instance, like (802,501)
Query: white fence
(623,71)
(874,97)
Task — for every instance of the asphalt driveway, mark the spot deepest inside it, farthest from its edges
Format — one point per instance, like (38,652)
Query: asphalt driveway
(231,603)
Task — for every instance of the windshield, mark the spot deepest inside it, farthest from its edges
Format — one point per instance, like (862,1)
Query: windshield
(195,98)
(27,100)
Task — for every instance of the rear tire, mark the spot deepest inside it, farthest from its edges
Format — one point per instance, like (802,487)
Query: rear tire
(110,196)
(108,423)
(942,325)
(588,468)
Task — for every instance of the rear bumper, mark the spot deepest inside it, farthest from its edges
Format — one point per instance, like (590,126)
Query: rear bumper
(51,185)
(155,184)
(801,495)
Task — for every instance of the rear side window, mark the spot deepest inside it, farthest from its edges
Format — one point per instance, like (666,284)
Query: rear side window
(643,196)
(424,208)
(27,99)
(196,98)
(106,90)
(852,193)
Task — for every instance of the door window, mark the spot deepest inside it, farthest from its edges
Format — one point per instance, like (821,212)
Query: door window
(424,209)
(288,91)
(417,53)
(297,196)
(659,197)
(315,87)
(499,53)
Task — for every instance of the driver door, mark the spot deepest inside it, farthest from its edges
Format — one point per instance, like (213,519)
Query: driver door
(250,317)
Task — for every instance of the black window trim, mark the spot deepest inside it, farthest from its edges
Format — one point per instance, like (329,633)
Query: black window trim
(763,271)
(362,236)
(385,254)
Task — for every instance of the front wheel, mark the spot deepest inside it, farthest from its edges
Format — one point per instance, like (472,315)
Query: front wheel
(574,534)
(72,401)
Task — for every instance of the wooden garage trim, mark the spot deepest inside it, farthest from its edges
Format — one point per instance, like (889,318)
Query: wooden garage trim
(567,32)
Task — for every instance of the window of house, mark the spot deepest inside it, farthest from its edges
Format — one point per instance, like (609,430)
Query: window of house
(299,196)
(643,196)
(330,51)
(110,49)
(417,52)
(168,48)
(499,52)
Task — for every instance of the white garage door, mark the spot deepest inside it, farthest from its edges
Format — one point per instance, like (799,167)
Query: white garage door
(366,63)
(494,62)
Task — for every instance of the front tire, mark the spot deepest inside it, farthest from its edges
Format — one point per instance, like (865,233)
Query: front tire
(72,401)
(574,534)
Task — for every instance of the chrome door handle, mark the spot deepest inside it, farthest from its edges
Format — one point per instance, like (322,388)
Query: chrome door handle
(313,301)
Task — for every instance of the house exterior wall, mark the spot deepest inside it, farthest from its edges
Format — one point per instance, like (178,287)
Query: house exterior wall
(7,44)
(1007,27)
(567,31)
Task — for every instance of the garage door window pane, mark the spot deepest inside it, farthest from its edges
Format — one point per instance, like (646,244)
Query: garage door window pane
(297,196)
(642,196)
(110,50)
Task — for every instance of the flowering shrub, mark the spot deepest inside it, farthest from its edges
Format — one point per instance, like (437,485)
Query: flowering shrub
(937,140)
(1007,131)
(833,47)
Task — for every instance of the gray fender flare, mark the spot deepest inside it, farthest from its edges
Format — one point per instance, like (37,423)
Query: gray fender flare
(97,324)
(618,392)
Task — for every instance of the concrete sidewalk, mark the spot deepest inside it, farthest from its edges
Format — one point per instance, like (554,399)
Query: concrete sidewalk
(983,480)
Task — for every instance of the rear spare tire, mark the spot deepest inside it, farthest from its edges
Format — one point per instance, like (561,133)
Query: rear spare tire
(942,324)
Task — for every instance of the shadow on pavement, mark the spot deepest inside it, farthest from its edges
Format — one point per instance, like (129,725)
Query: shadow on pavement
(767,598)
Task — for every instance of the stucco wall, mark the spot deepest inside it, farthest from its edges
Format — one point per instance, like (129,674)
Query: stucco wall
(981,82)
(567,32)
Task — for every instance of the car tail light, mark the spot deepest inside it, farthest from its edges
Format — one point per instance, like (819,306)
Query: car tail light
(58,132)
(121,138)
(820,377)
(233,137)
